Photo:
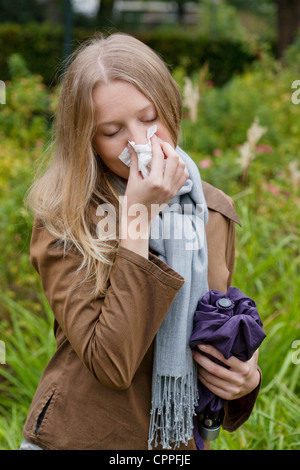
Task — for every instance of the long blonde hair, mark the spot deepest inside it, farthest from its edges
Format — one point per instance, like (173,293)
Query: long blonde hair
(76,180)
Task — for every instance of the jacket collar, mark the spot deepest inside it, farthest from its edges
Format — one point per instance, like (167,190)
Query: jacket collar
(218,201)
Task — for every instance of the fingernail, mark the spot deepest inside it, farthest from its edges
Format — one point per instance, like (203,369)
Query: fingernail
(202,347)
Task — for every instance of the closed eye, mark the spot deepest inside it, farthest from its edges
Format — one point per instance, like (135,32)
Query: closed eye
(150,120)
(142,120)
(111,135)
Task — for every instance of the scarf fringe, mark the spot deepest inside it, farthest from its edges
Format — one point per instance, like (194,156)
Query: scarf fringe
(171,419)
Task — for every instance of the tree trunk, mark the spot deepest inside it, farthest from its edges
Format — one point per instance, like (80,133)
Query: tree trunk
(104,16)
(180,11)
(288,20)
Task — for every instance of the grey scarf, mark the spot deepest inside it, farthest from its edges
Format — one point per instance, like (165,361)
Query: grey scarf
(178,237)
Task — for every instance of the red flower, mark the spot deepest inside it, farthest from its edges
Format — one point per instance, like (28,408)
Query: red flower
(262,148)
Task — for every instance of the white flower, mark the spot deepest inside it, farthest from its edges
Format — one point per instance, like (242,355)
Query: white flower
(246,155)
(191,98)
(254,133)
(294,173)
(248,149)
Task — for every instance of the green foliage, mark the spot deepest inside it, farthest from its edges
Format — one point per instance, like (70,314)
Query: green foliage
(41,45)
(29,344)
(193,50)
(267,246)
(219,19)
(267,198)
(24,130)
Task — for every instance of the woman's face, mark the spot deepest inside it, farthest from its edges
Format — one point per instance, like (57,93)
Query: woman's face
(123,113)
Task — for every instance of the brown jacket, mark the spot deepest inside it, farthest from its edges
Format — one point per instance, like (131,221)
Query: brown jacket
(95,392)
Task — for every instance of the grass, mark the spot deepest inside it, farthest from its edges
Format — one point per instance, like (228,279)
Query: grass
(29,344)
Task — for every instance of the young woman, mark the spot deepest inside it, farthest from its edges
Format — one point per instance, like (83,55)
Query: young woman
(123,296)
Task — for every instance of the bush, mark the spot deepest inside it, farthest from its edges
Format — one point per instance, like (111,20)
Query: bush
(24,131)
(41,45)
(191,51)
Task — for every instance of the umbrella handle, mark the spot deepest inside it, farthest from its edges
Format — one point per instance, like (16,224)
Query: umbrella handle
(209,424)
(209,431)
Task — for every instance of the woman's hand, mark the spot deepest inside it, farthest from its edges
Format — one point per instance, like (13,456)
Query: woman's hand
(229,384)
(146,197)
(162,184)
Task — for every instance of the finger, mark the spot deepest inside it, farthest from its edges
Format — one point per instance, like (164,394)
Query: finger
(158,157)
(232,362)
(172,160)
(255,355)
(211,380)
(134,163)
(175,167)
(211,366)
(220,388)
(212,351)
(223,382)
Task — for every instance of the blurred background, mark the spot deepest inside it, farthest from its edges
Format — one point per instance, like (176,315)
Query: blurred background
(237,64)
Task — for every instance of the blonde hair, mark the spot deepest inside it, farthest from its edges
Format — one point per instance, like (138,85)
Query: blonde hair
(76,180)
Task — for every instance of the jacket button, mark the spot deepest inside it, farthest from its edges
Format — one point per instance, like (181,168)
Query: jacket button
(224,303)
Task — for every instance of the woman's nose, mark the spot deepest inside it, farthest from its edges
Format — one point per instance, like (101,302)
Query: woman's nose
(138,135)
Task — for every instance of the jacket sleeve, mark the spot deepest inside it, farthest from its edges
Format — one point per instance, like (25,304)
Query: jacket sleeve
(110,335)
(220,234)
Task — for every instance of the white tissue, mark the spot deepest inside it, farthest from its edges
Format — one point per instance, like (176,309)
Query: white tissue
(144,153)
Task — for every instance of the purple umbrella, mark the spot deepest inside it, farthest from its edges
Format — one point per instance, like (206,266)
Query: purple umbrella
(230,322)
